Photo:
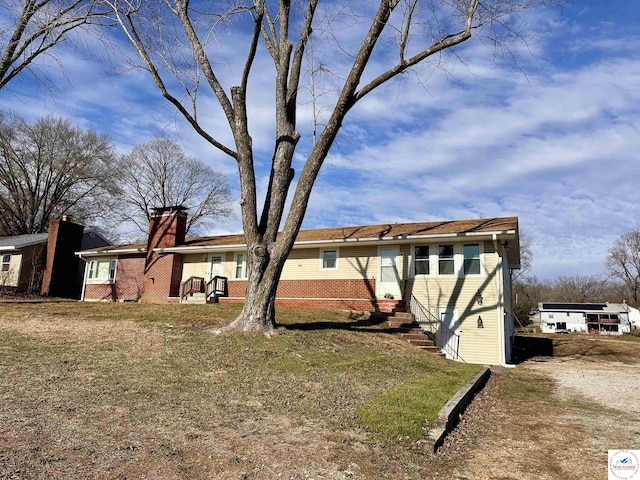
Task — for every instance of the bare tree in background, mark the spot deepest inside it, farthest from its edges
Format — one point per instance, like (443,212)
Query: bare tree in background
(157,173)
(30,29)
(623,263)
(580,289)
(181,44)
(526,260)
(50,168)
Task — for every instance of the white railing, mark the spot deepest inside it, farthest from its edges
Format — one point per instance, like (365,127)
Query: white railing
(446,339)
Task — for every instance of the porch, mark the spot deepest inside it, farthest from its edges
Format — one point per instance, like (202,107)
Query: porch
(199,291)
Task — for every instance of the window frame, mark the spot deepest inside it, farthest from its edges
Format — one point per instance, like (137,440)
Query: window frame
(243,266)
(93,270)
(426,260)
(5,263)
(322,258)
(479,258)
(451,259)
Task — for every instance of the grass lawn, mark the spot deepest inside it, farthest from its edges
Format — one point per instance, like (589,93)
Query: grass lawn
(104,390)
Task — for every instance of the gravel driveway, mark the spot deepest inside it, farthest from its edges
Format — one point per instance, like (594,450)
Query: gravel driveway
(566,413)
(613,384)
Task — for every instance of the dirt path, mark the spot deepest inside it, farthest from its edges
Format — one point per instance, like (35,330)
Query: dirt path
(550,418)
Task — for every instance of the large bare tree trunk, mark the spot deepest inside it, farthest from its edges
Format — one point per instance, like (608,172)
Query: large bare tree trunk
(420,28)
(259,313)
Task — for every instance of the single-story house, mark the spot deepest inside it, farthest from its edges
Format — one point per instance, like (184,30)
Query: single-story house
(604,318)
(452,274)
(46,262)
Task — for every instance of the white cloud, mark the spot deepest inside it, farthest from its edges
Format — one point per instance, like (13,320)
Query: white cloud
(557,147)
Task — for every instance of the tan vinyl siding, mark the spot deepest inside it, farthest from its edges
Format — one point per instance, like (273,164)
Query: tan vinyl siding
(353,263)
(458,292)
(10,277)
(404,262)
(195,265)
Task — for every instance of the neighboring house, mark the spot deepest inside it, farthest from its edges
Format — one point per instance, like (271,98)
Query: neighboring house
(46,262)
(454,274)
(604,318)
(22,259)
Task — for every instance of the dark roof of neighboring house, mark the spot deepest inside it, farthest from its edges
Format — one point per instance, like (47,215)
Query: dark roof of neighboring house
(574,306)
(21,241)
(90,238)
(582,307)
(366,232)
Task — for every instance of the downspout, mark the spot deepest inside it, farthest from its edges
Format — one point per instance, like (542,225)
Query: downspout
(84,279)
(499,306)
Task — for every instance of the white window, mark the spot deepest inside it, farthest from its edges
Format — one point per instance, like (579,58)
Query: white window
(329,260)
(240,269)
(6,262)
(471,254)
(421,260)
(445,260)
(102,270)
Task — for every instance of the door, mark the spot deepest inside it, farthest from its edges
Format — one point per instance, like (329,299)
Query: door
(447,337)
(389,279)
(216,267)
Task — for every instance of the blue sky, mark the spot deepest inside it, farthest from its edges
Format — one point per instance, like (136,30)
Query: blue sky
(552,138)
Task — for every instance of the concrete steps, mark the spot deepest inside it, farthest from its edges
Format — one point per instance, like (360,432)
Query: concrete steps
(195,298)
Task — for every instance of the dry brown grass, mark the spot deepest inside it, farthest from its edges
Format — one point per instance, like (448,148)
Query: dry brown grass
(144,391)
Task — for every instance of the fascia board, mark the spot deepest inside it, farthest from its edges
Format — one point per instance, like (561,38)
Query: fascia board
(106,253)
(360,241)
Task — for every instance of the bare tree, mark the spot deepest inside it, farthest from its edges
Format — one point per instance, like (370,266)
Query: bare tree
(30,29)
(623,263)
(180,44)
(526,260)
(50,168)
(157,173)
(580,289)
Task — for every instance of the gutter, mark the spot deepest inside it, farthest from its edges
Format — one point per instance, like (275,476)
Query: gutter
(499,307)
(84,278)
(98,253)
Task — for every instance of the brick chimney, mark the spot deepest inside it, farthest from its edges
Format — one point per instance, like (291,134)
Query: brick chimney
(163,272)
(61,270)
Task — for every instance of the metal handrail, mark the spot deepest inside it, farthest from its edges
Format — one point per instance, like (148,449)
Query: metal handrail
(436,327)
(217,287)
(191,285)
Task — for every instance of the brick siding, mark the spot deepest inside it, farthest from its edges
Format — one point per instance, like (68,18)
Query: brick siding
(330,294)
(128,284)
(162,278)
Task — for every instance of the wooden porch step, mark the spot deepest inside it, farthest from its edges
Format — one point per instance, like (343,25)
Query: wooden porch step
(415,336)
(422,343)
(433,351)
(405,325)
(402,324)
(390,305)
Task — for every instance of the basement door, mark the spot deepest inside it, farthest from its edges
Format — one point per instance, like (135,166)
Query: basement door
(389,279)
(448,332)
